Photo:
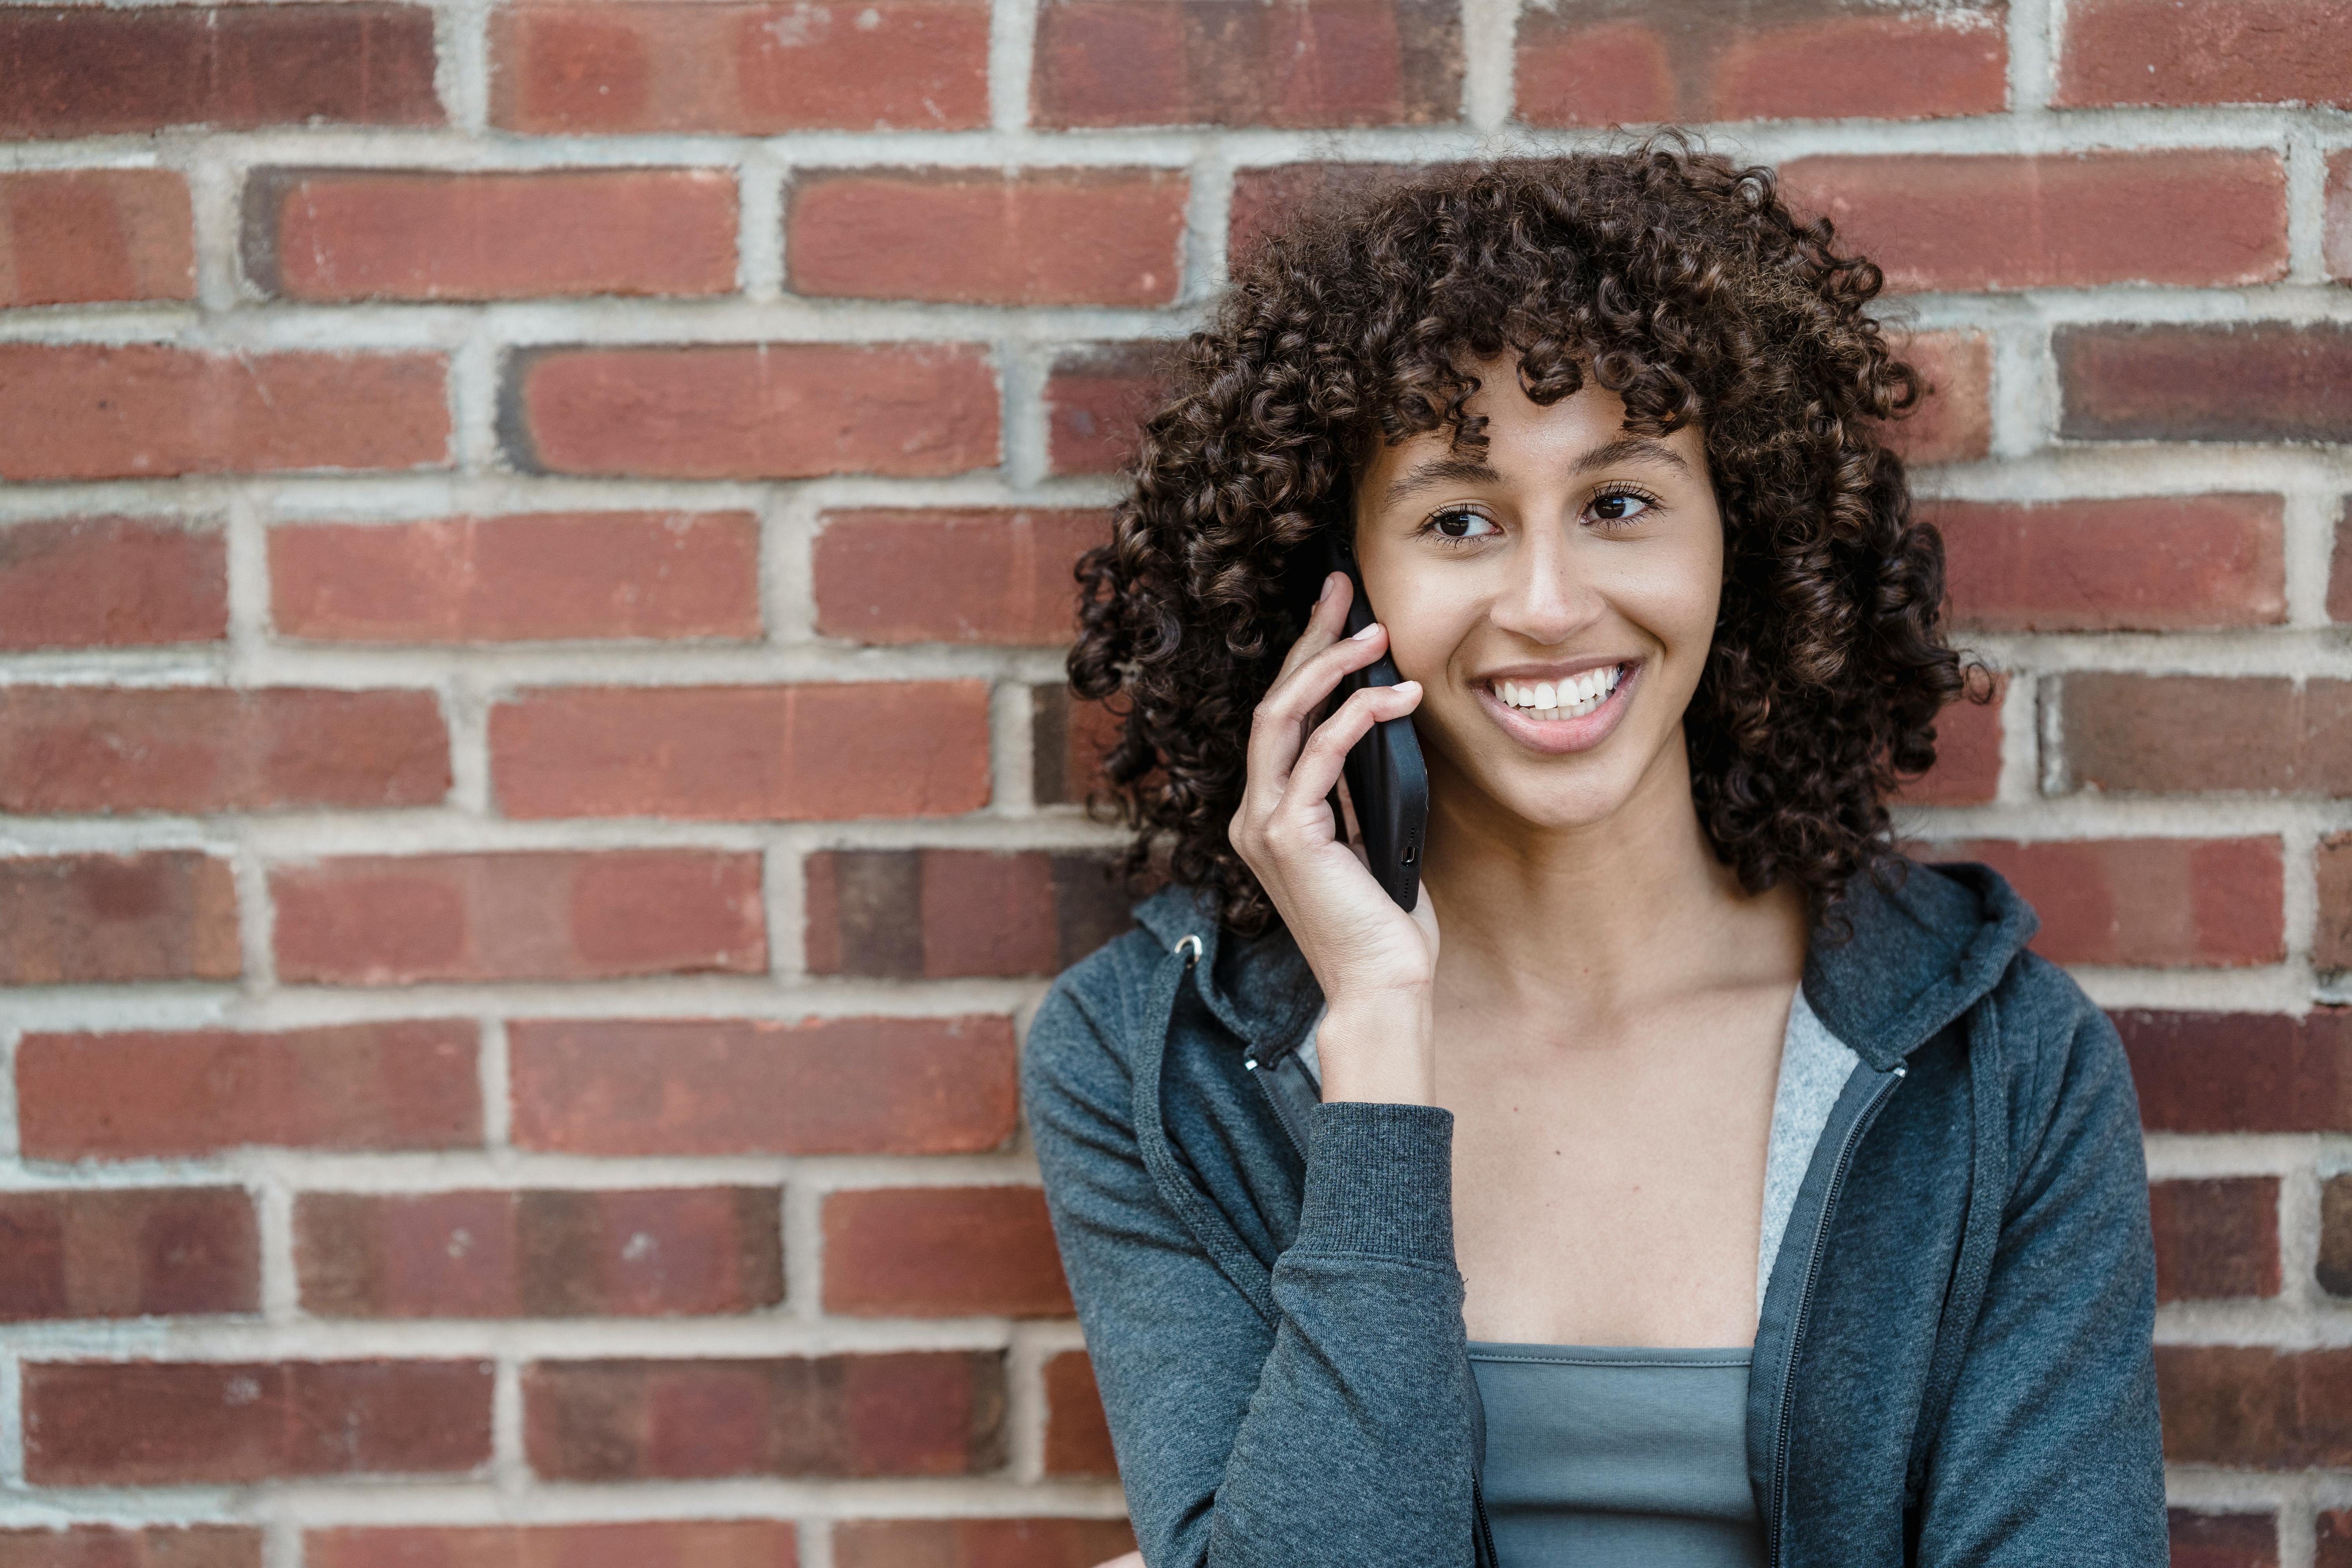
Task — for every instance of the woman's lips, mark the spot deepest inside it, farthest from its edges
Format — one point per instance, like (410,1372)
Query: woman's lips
(1556,737)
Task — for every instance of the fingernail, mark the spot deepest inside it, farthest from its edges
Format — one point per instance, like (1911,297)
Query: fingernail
(1331,581)
(1366,634)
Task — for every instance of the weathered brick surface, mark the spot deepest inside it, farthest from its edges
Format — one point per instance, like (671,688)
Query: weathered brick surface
(128,1252)
(838,1086)
(131,1546)
(71,236)
(1078,236)
(941,1252)
(111,582)
(1294,63)
(2150,563)
(398,920)
(145,411)
(2259,381)
(164,915)
(76,71)
(979,1543)
(665,1544)
(546,1253)
(146,1423)
(1936,222)
(2216,1238)
(568,68)
(540,576)
(2256,51)
(159,1094)
(913,913)
(913,1414)
(82,748)
(418,234)
(795,752)
(1597,62)
(536,559)
(771,411)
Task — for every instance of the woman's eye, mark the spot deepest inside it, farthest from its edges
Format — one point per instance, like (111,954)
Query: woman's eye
(1621,507)
(1462,525)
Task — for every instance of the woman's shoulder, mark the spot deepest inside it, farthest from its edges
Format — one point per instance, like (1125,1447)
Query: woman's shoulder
(1091,1014)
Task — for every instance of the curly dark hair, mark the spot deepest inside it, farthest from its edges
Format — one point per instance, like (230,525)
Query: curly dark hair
(1676,281)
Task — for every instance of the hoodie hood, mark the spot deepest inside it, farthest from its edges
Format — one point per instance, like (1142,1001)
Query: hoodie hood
(1922,951)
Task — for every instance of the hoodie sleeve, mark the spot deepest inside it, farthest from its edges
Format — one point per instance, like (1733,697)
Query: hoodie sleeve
(1336,1430)
(2050,1451)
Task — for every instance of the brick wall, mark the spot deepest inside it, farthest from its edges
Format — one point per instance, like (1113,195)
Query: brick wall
(538,799)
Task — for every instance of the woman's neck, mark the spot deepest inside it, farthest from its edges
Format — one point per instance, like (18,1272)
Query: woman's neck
(1597,921)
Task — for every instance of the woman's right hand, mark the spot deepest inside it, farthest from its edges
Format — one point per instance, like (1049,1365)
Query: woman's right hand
(1375,962)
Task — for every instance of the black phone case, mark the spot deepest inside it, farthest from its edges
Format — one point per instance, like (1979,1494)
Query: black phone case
(1388,782)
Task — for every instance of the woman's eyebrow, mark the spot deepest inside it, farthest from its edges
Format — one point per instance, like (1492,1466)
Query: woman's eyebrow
(1626,448)
(1439,471)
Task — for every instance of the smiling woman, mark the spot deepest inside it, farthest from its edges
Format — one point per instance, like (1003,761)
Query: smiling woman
(1724,1187)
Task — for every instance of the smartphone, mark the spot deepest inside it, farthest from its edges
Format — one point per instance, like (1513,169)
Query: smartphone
(1388,782)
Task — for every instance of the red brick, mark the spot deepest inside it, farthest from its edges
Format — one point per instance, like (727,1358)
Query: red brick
(2339,568)
(2146,563)
(2331,943)
(1001,576)
(744,753)
(1599,62)
(549,1253)
(1266,200)
(167,914)
(2240,1072)
(2156,901)
(2334,1539)
(1203,62)
(423,234)
(2223,1540)
(112,1546)
(1077,1432)
(533,576)
(1097,399)
(86,411)
(752,411)
(825,1086)
(203,749)
(935,913)
(979,1543)
(2335,1268)
(1045,236)
(2186,734)
(2255,1407)
(1967,753)
(165,1422)
(128,1253)
(1953,423)
(752,70)
(2256,381)
(112,581)
(2336,233)
(90,70)
(2054,220)
(158,1094)
(942,1252)
(76,235)
(2216,1238)
(2160,52)
(914,1414)
(655,1543)
(547,915)
(1069,740)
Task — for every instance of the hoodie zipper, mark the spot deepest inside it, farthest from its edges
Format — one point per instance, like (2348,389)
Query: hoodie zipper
(1805,1298)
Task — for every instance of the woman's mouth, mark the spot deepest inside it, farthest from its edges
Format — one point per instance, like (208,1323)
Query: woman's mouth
(1563,715)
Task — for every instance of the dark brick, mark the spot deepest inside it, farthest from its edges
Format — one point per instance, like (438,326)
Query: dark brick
(2216,1238)
(2260,381)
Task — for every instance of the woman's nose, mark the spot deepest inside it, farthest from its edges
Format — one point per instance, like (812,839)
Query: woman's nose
(1549,596)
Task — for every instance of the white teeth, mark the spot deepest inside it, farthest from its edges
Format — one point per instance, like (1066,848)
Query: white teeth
(1563,700)
(1545,696)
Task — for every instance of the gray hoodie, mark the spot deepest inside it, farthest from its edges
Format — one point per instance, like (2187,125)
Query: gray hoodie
(1952,1360)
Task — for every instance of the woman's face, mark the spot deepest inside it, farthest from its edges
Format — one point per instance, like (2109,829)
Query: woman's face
(1556,599)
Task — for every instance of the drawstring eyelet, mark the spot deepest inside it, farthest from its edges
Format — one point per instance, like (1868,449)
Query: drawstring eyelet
(1193,942)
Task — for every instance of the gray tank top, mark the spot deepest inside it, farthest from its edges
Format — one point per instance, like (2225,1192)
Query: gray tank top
(1617,1456)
